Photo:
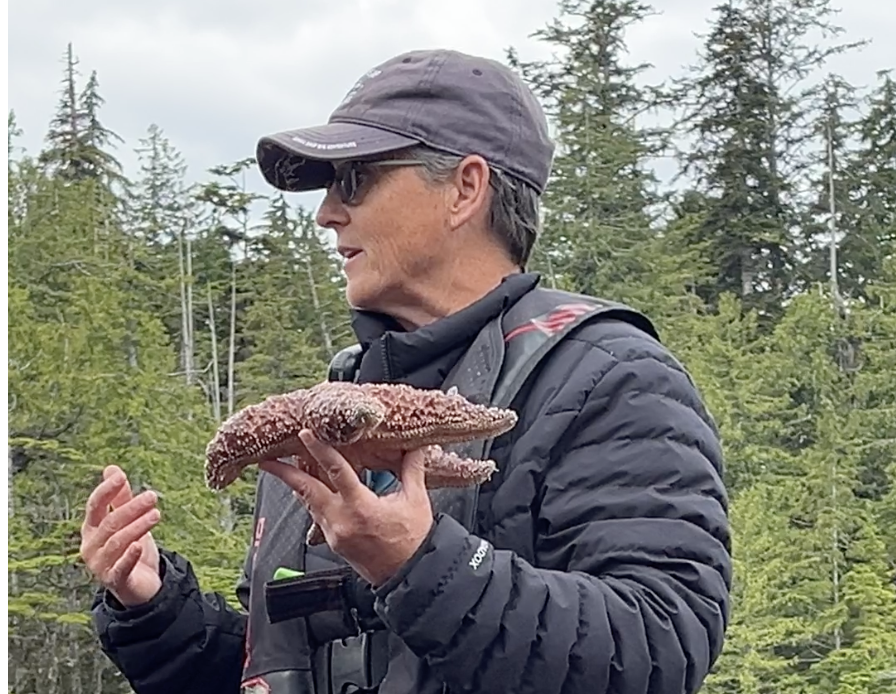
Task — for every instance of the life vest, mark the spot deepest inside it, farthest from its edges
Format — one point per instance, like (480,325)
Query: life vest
(354,655)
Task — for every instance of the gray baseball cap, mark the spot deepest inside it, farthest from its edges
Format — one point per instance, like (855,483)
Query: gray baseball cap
(444,99)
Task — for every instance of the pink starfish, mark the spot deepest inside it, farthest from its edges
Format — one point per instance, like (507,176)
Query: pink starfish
(372,425)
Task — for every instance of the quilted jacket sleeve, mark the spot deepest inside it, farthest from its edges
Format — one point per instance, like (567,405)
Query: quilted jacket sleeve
(180,641)
(627,590)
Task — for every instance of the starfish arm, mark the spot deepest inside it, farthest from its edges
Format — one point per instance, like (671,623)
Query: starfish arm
(262,431)
(447,469)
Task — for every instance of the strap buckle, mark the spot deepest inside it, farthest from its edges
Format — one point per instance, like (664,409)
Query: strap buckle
(303,596)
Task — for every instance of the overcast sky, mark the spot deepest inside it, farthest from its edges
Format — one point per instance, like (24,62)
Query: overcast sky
(217,75)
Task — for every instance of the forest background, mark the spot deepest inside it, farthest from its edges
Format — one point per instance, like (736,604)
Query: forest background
(144,308)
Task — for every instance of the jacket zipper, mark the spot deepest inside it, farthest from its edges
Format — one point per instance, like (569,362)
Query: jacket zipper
(387,371)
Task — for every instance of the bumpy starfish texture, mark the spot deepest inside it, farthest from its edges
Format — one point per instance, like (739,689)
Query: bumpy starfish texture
(372,425)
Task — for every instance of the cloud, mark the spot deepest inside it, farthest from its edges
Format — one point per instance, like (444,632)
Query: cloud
(217,75)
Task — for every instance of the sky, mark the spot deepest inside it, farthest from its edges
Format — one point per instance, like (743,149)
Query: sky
(215,76)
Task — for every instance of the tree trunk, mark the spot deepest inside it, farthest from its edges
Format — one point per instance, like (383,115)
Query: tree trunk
(216,379)
(231,350)
(318,311)
(185,312)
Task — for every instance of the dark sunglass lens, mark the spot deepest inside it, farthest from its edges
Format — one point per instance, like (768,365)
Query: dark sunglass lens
(351,180)
(354,185)
(342,181)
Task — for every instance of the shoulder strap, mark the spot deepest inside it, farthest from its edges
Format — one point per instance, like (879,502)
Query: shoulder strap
(344,366)
(540,321)
(532,328)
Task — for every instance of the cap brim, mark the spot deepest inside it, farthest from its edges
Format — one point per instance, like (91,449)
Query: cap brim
(299,160)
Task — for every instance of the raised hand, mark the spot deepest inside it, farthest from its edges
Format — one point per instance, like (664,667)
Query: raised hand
(116,543)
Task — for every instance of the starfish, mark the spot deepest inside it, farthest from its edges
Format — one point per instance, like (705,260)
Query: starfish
(372,425)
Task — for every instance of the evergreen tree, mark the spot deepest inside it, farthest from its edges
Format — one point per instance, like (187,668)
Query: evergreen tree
(163,214)
(296,317)
(225,237)
(89,384)
(598,216)
(96,138)
(321,270)
(281,351)
(77,140)
(161,201)
(808,539)
(871,241)
(746,112)
(877,388)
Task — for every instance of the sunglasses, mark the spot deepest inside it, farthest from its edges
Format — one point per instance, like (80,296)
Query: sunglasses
(353,179)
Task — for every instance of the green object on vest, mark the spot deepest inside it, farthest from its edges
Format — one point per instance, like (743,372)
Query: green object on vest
(282,573)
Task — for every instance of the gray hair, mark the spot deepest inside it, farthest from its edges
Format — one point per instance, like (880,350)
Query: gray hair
(514,212)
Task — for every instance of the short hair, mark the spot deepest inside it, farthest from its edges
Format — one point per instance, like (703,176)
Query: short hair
(514,214)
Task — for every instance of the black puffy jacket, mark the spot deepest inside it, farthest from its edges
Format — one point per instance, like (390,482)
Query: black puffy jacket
(600,560)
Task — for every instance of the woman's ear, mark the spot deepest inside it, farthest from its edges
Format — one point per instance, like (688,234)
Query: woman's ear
(468,190)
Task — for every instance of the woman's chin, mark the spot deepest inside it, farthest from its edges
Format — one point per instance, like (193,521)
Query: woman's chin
(361,291)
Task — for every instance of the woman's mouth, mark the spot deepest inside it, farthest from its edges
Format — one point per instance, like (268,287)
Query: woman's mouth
(348,253)
(350,256)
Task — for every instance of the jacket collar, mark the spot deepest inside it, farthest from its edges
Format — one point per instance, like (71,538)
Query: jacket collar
(424,357)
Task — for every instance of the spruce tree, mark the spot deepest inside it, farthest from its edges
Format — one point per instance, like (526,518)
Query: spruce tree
(598,206)
(162,220)
(78,143)
(865,250)
(831,215)
(746,111)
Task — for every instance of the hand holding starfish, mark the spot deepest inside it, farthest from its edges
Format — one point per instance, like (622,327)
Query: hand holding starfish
(376,535)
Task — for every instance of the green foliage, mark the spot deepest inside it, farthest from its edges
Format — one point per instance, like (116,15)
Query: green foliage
(114,292)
